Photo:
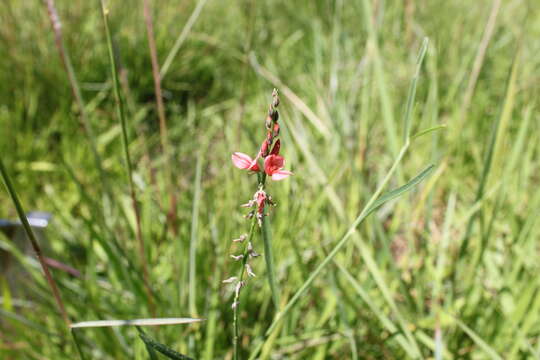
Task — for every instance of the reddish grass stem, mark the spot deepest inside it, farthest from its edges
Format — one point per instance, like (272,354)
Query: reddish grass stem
(35,244)
(171,216)
(75,89)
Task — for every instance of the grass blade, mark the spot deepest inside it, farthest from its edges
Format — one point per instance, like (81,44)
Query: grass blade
(427,131)
(76,90)
(412,90)
(165,350)
(77,344)
(135,322)
(401,190)
(193,240)
(385,320)
(125,142)
(181,38)
(380,77)
(163,131)
(494,147)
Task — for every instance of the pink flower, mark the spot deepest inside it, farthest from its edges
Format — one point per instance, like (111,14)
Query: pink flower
(261,200)
(273,165)
(244,161)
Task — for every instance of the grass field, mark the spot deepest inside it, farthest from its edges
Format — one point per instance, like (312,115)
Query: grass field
(369,260)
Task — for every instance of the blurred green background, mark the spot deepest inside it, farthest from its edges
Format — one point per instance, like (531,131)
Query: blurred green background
(454,264)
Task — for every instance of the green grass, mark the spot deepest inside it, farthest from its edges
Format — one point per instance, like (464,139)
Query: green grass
(455,255)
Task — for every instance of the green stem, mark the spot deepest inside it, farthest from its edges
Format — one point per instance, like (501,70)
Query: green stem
(237,295)
(77,345)
(269,259)
(125,143)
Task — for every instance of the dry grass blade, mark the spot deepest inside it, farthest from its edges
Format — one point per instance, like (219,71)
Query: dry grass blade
(135,322)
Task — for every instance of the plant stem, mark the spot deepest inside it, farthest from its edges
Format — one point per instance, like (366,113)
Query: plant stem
(75,89)
(35,245)
(125,143)
(163,132)
(237,295)
(269,259)
(77,345)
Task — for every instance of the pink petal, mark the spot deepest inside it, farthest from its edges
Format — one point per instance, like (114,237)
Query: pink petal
(281,174)
(273,163)
(254,166)
(241,160)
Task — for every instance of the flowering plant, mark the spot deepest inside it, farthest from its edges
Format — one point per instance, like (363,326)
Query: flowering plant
(268,163)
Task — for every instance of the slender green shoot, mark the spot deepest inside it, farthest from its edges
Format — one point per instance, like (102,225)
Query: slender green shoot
(125,142)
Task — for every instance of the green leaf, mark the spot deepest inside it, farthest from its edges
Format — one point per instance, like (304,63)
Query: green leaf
(427,131)
(163,349)
(412,90)
(151,351)
(401,190)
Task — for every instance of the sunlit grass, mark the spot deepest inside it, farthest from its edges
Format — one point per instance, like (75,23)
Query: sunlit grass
(447,271)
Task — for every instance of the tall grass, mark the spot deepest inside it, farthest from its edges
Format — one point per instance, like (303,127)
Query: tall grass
(446,271)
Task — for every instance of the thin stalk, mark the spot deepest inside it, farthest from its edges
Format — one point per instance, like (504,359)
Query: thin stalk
(35,245)
(163,132)
(77,345)
(193,240)
(125,143)
(269,259)
(236,302)
(75,89)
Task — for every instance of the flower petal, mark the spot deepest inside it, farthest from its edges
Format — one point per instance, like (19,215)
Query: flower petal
(273,163)
(241,160)
(281,174)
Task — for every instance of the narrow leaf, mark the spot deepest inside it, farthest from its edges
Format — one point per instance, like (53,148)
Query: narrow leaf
(165,350)
(427,131)
(401,190)
(135,322)
(412,90)
(151,352)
